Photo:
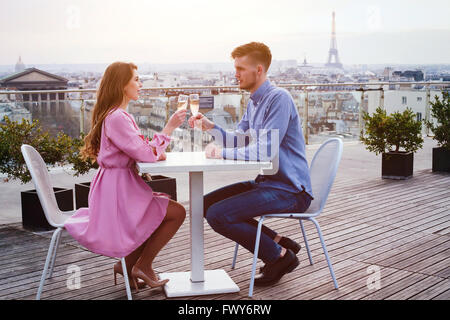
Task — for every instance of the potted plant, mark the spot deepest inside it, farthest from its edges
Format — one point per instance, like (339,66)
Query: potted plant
(440,110)
(53,151)
(396,137)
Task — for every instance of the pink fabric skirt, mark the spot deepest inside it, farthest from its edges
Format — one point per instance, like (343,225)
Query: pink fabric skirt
(123,212)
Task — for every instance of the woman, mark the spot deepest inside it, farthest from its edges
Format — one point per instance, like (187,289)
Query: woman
(125,218)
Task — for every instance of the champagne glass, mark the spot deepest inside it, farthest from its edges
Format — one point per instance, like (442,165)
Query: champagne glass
(194,103)
(182,101)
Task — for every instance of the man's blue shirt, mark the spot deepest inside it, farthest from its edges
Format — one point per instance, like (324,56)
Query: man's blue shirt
(269,108)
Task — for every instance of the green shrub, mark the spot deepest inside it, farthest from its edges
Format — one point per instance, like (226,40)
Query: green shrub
(388,133)
(440,110)
(79,165)
(53,150)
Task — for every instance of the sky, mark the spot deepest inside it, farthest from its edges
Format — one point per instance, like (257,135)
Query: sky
(189,31)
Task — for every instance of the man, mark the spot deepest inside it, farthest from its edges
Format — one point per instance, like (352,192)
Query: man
(230,210)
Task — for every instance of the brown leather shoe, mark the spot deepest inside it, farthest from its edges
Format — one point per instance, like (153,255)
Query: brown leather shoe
(273,272)
(286,243)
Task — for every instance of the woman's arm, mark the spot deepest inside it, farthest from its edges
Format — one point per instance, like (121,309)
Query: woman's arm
(174,122)
(121,131)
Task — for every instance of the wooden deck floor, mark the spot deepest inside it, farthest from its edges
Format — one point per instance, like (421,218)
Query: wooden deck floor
(401,227)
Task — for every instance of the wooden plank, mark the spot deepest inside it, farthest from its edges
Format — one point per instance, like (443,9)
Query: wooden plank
(360,229)
(418,287)
(443,296)
(432,264)
(387,291)
(28,286)
(420,254)
(388,276)
(352,283)
(432,291)
(408,250)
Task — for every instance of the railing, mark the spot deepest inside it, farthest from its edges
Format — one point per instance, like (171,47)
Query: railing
(324,106)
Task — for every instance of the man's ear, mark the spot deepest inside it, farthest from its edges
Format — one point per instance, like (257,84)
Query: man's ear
(260,69)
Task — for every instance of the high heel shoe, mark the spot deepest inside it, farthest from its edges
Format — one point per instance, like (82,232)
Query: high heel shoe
(133,285)
(136,274)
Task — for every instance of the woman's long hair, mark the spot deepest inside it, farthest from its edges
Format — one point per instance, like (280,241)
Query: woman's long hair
(110,95)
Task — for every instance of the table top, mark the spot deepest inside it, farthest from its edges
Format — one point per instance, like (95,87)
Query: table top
(196,162)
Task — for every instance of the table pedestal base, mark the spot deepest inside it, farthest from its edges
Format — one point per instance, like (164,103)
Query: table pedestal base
(180,284)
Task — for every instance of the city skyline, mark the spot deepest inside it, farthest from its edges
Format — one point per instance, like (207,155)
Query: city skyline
(368,32)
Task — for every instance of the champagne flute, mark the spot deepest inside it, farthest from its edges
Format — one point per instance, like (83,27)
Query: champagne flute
(182,102)
(194,103)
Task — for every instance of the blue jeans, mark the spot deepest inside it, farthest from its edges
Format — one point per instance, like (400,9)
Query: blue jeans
(230,211)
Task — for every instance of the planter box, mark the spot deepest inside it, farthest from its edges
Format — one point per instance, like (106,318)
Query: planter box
(164,184)
(158,184)
(82,194)
(441,160)
(397,165)
(33,217)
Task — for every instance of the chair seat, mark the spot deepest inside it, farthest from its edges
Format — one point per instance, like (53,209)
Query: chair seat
(293,215)
(60,219)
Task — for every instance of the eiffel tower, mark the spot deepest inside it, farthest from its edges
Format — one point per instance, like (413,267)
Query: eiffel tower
(333,52)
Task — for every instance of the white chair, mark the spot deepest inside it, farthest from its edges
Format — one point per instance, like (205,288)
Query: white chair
(322,172)
(55,217)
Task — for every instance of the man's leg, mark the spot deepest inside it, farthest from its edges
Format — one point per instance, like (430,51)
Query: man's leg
(230,191)
(230,217)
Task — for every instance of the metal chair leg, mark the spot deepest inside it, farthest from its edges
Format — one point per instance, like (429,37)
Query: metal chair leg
(125,276)
(326,252)
(236,248)
(306,242)
(52,265)
(255,256)
(47,262)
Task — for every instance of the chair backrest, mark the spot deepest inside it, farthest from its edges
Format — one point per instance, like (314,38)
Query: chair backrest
(323,171)
(41,179)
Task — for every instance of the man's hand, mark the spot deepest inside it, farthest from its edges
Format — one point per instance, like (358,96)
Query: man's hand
(213,151)
(200,120)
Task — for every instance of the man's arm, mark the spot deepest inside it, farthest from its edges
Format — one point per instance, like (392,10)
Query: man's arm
(222,137)
(228,139)
(266,145)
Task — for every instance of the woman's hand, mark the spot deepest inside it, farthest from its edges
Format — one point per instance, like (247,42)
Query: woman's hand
(147,176)
(174,122)
(162,157)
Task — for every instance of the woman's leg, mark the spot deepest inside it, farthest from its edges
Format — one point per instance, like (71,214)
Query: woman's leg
(173,220)
(130,260)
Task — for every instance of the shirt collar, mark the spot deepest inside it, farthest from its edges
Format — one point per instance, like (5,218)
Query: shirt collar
(259,93)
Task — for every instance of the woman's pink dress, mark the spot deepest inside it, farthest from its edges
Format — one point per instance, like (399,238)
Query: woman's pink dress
(123,211)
